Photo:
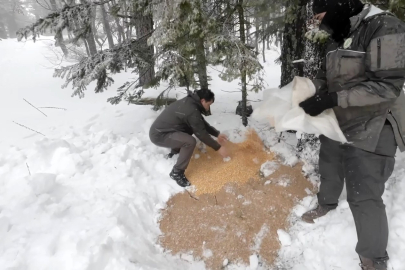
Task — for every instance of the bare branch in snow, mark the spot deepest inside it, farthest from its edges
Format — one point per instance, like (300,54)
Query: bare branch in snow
(29,128)
(35,107)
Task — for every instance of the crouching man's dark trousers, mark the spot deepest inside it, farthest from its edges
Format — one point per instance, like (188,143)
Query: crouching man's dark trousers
(365,174)
(180,142)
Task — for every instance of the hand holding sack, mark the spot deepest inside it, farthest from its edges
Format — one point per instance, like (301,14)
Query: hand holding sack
(291,107)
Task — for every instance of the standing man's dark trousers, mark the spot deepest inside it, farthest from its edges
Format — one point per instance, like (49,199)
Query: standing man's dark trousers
(365,174)
(179,142)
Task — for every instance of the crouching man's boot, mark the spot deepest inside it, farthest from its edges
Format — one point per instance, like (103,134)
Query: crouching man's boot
(180,178)
(318,212)
(368,264)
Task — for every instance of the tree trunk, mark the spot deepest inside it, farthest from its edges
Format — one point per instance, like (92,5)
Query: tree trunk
(3,32)
(11,25)
(144,28)
(87,47)
(247,27)
(314,53)
(99,40)
(264,43)
(201,63)
(107,28)
(257,26)
(91,43)
(53,5)
(242,68)
(127,26)
(59,38)
(121,34)
(60,3)
(91,46)
(60,42)
(293,41)
(268,42)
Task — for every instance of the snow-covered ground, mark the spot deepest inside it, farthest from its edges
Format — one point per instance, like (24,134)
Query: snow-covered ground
(86,194)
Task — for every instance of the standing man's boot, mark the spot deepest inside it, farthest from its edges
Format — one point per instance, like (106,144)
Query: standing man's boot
(318,212)
(368,264)
(180,178)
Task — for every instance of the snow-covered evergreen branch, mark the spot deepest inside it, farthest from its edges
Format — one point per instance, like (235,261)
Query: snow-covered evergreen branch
(130,54)
(76,19)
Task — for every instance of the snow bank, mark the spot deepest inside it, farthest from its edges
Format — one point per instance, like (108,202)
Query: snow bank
(86,195)
(85,201)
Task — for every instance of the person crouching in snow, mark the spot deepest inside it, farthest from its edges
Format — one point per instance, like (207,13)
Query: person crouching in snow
(361,78)
(174,128)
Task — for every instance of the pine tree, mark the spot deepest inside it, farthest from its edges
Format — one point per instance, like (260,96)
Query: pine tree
(77,19)
(181,41)
(237,57)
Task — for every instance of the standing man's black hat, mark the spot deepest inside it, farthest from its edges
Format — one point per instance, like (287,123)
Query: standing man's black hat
(319,6)
(337,18)
(350,7)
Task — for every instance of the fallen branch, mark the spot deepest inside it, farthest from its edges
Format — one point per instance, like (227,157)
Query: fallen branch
(230,91)
(53,108)
(35,107)
(29,128)
(153,101)
(28,168)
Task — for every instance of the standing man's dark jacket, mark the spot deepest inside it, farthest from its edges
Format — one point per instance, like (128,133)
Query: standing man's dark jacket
(367,71)
(186,115)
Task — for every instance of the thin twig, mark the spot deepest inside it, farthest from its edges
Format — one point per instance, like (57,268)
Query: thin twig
(191,195)
(47,8)
(230,91)
(35,107)
(254,100)
(29,128)
(28,168)
(53,108)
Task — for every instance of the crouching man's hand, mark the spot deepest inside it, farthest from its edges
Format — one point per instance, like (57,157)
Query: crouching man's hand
(315,105)
(222,139)
(223,152)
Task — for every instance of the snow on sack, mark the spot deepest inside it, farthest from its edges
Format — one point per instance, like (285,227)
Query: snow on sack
(281,108)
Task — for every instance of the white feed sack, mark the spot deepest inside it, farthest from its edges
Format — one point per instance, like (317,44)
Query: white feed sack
(281,108)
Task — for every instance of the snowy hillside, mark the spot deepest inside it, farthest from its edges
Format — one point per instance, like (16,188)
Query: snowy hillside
(86,193)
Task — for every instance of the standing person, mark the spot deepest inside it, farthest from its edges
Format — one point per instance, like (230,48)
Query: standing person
(174,128)
(362,79)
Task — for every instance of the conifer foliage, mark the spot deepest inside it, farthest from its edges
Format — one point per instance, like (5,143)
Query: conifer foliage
(174,41)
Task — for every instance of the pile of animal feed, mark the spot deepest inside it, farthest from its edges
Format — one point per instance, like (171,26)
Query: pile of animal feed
(209,172)
(236,213)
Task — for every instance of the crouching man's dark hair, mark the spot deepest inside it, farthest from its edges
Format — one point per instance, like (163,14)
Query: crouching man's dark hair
(206,94)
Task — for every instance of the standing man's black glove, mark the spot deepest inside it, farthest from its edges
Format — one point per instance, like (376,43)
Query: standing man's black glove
(318,103)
